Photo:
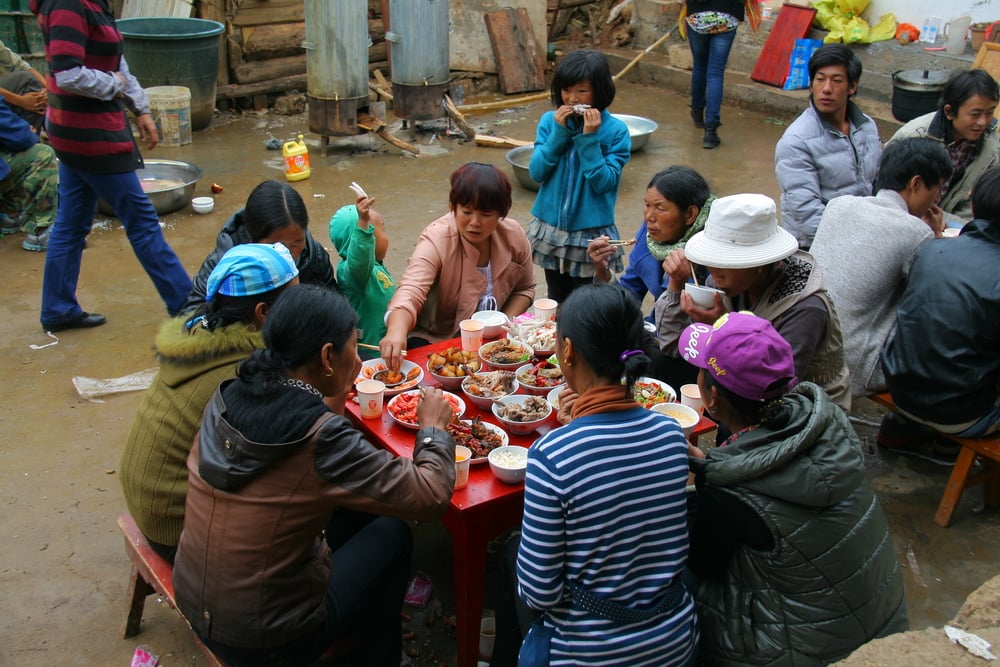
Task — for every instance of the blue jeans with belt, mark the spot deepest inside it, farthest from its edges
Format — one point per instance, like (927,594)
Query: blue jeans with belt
(78,193)
(710,54)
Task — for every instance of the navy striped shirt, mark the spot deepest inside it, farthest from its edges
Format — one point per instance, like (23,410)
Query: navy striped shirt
(605,508)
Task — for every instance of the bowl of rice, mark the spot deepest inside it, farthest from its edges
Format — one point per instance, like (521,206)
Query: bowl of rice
(509,463)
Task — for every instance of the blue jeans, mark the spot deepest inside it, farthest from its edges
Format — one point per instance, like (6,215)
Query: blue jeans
(986,426)
(78,193)
(710,53)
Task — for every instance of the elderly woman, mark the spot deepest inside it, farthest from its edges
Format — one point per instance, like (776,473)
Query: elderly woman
(790,548)
(964,123)
(472,258)
(608,590)
(757,266)
(274,213)
(195,352)
(274,465)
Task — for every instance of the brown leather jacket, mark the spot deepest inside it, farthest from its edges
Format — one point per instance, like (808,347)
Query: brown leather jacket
(251,568)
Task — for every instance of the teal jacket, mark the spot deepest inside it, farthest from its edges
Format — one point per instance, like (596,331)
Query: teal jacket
(366,283)
(579,173)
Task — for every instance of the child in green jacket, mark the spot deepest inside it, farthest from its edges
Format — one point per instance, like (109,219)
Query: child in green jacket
(358,235)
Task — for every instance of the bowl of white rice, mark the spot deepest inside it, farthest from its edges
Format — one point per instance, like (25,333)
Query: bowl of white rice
(508,463)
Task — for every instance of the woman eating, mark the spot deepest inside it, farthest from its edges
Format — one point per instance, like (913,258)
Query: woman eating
(964,123)
(472,258)
(758,267)
(604,534)
(790,548)
(274,213)
(272,466)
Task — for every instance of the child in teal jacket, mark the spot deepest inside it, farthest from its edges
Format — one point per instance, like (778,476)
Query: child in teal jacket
(358,235)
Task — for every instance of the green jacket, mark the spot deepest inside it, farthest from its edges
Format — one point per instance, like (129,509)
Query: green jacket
(832,581)
(153,467)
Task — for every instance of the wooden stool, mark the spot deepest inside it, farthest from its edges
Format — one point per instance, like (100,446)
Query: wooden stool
(988,449)
(150,574)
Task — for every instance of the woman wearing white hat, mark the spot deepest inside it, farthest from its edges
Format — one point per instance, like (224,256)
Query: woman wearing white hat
(758,267)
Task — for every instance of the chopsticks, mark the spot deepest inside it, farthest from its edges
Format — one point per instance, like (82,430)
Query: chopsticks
(615,243)
(366,346)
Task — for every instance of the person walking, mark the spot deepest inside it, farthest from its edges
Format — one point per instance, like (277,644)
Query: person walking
(90,88)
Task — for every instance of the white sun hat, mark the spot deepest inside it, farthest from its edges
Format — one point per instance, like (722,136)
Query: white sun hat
(741,232)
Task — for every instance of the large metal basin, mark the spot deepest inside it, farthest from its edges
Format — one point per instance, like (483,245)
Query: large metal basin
(639,129)
(169,184)
(519,158)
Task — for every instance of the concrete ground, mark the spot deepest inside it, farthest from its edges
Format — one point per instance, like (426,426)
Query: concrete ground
(63,571)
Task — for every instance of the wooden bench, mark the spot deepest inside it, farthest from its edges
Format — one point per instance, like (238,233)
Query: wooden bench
(987,449)
(151,573)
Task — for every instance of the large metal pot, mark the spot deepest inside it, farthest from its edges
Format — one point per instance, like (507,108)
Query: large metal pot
(915,92)
(639,129)
(169,184)
(519,158)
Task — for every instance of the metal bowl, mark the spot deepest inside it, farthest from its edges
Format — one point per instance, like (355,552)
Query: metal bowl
(169,184)
(639,129)
(519,158)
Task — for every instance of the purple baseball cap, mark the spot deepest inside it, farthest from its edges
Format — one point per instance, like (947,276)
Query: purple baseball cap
(743,353)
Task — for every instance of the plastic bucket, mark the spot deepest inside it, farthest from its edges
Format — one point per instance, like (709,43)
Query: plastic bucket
(176,52)
(171,106)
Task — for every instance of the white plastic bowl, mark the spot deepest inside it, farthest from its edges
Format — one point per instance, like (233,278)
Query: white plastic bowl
(203,205)
(519,428)
(703,297)
(494,321)
(687,417)
(503,465)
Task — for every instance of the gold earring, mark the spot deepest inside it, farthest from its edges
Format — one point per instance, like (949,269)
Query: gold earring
(329,373)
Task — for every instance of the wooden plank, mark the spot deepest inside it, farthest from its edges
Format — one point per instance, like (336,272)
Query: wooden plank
(253,12)
(520,65)
(774,61)
(296,82)
(275,68)
(988,59)
(273,41)
(170,8)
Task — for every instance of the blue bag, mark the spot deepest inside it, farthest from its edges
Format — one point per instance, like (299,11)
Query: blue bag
(798,72)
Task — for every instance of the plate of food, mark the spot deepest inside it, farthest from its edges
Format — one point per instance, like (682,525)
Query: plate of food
(479,436)
(539,335)
(410,375)
(650,391)
(505,354)
(483,388)
(403,408)
(540,377)
(521,414)
(452,365)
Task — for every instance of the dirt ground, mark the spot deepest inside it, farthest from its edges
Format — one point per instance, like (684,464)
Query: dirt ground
(63,571)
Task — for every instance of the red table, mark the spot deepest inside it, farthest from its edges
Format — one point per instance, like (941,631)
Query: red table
(477,514)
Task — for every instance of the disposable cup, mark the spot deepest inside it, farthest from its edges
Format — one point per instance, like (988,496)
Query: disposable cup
(691,397)
(370,396)
(487,637)
(545,309)
(463,457)
(472,334)
(703,297)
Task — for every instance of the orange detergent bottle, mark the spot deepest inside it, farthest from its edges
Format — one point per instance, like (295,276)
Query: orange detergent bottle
(296,155)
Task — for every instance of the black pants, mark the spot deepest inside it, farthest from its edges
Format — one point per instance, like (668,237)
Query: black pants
(561,285)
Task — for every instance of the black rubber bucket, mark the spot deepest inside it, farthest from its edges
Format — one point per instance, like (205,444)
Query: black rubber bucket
(176,52)
(916,92)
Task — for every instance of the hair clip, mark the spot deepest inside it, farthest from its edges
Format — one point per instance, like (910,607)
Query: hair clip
(628,353)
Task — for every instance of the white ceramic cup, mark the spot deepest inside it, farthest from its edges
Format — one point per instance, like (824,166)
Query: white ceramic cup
(487,636)
(371,393)
(545,309)
(691,397)
(463,457)
(472,334)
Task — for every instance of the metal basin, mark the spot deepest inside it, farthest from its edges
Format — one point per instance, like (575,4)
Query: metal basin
(169,184)
(519,158)
(639,129)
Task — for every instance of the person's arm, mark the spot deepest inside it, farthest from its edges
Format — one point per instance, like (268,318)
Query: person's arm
(551,142)
(16,134)
(804,327)
(801,199)
(422,271)
(602,168)
(522,294)
(723,524)
(356,269)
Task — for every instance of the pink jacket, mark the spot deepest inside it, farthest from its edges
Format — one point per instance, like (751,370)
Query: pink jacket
(442,286)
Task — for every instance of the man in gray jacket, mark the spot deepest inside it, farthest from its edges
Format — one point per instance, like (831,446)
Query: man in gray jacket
(831,149)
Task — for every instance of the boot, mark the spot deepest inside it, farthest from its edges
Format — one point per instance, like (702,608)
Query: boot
(711,138)
(698,116)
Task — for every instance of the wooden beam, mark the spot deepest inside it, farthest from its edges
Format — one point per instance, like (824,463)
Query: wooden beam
(255,12)
(275,68)
(296,82)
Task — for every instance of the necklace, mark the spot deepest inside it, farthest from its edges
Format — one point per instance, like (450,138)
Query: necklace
(304,386)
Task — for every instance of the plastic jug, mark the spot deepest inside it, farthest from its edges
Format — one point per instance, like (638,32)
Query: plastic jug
(955,32)
(296,155)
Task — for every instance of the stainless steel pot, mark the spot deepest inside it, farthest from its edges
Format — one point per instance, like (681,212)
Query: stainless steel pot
(178,179)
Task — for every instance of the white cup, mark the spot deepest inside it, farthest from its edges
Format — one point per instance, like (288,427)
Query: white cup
(545,309)
(487,637)
(370,396)
(703,297)
(766,12)
(472,334)
(691,397)
(463,457)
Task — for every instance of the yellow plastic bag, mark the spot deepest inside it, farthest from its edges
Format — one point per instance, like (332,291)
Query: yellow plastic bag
(842,18)
(884,29)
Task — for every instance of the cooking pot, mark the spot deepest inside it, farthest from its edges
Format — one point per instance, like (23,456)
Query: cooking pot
(915,92)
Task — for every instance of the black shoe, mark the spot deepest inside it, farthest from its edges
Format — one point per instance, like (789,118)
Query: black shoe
(711,138)
(895,432)
(85,321)
(698,116)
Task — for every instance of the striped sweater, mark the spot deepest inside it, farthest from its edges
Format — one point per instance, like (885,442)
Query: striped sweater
(605,509)
(87,133)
